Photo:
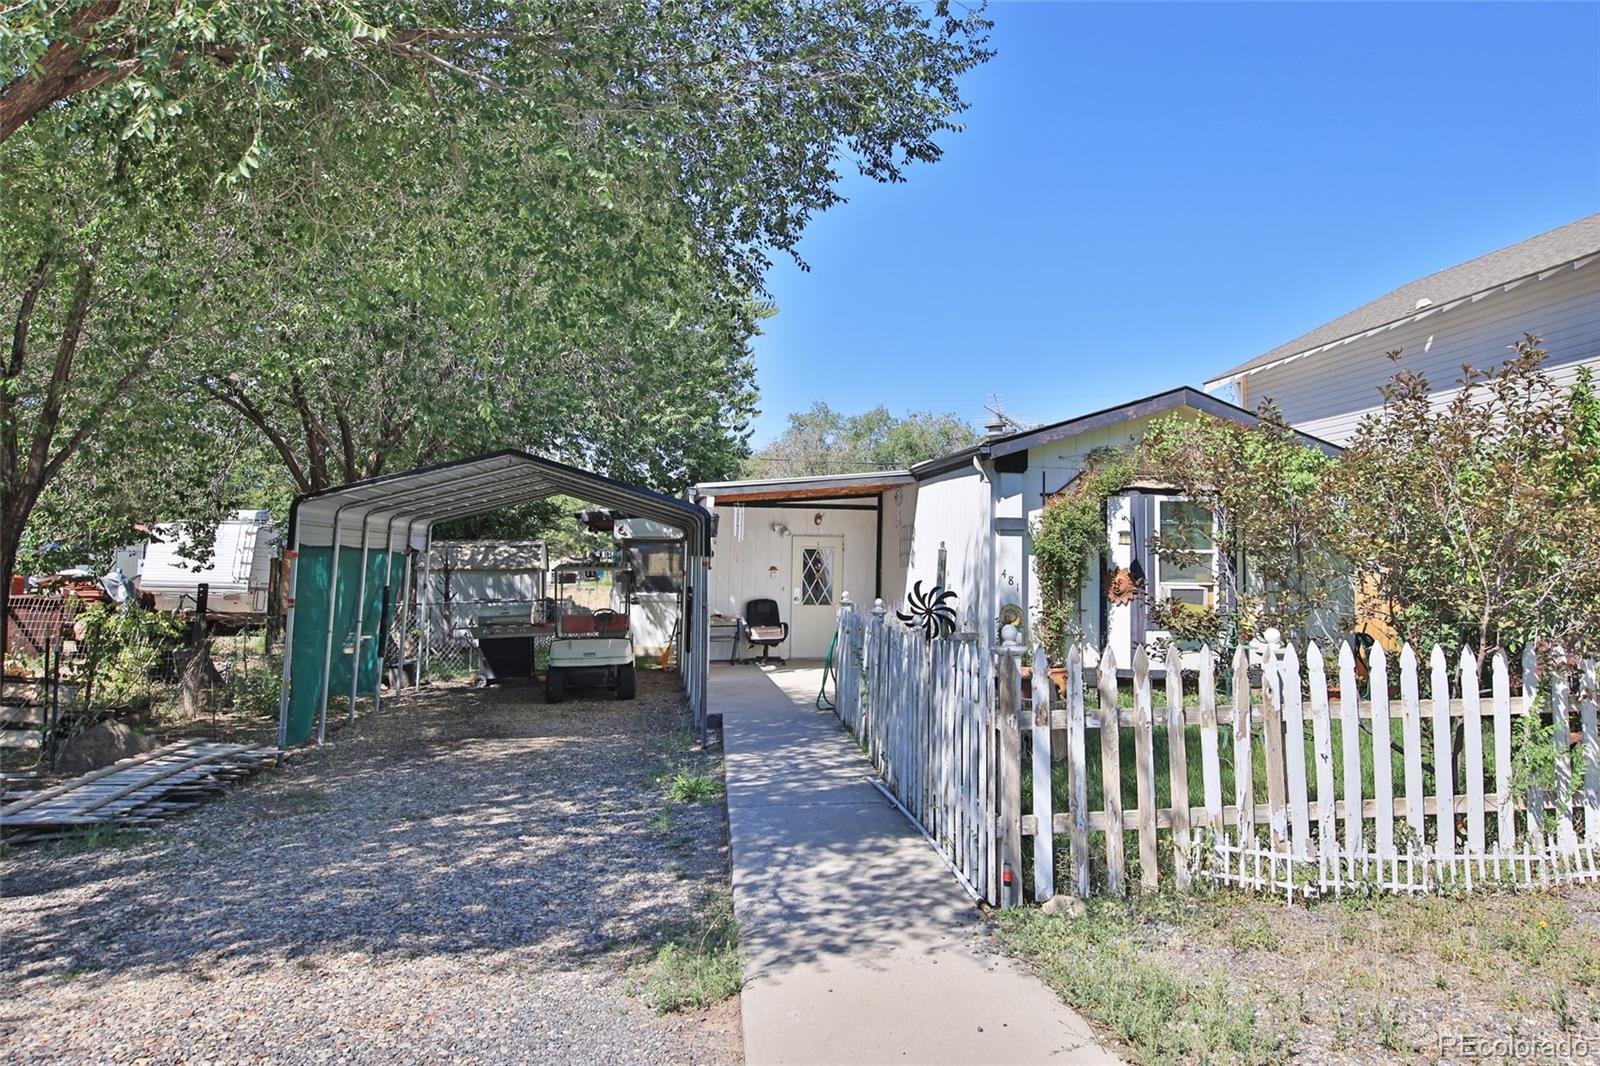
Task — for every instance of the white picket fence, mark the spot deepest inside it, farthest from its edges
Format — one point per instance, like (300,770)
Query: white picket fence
(947,726)
(924,712)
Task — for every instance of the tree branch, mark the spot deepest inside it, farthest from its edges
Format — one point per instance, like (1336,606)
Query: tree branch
(235,399)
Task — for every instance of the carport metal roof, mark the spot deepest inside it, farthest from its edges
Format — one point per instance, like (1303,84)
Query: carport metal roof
(399,503)
(387,516)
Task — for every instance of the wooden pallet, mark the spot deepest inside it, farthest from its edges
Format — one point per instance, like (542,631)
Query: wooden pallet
(134,792)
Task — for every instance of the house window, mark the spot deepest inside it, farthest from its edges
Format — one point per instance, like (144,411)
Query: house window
(1186,572)
(816,577)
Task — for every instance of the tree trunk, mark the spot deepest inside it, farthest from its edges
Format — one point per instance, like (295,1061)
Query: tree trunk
(10,541)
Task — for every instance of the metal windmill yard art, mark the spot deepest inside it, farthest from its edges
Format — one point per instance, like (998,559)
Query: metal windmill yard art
(933,611)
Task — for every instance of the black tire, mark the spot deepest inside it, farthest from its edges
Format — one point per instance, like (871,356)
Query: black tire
(555,686)
(480,682)
(627,682)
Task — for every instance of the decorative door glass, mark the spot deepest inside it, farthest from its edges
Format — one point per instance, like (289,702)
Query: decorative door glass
(816,577)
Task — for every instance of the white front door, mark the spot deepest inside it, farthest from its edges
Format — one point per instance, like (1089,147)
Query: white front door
(814,596)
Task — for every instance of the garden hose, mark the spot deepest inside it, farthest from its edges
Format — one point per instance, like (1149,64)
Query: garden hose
(823,702)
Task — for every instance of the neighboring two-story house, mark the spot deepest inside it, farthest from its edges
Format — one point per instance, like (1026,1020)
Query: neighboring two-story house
(1324,381)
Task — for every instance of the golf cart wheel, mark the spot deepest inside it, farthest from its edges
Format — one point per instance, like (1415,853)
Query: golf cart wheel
(480,682)
(555,686)
(627,682)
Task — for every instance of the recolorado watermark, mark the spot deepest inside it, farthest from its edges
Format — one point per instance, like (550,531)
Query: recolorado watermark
(1520,1047)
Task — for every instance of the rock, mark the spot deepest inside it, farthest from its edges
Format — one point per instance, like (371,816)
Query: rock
(1063,906)
(101,745)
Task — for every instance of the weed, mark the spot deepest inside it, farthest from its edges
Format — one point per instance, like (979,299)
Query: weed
(684,787)
(1094,963)
(1342,1029)
(103,835)
(699,965)
(1386,1022)
(1562,1008)
(300,801)
(1252,934)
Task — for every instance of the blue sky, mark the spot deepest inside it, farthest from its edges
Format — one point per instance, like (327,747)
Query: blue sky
(1148,194)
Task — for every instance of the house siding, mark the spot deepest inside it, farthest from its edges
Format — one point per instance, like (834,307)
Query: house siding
(1327,393)
(899,530)
(741,569)
(951,511)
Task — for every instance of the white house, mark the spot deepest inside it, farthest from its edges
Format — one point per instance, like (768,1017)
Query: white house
(961,522)
(1327,379)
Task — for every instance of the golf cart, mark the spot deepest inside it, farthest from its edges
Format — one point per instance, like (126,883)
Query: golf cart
(592,647)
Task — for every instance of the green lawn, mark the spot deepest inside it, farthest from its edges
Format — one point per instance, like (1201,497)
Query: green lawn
(1228,765)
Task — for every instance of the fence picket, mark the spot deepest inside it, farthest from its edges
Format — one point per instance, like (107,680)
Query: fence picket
(972,759)
(1322,752)
(1561,730)
(1077,772)
(1411,728)
(1591,752)
(1528,703)
(1472,740)
(1044,877)
(1272,739)
(1505,802)
(1443,756)
(1008,783)
(1294,753)
(1244,794)
(1177,763)
(1111,771)
(1210,760)
(988,812)
(1382,753)
(1144,762)
(1350,746)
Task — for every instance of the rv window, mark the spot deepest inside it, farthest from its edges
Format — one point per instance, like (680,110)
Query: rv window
(657,566)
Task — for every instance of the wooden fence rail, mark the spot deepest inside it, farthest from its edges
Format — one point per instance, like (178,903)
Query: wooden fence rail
(1274,779)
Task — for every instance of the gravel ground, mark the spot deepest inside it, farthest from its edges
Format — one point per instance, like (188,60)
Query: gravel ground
(472,875)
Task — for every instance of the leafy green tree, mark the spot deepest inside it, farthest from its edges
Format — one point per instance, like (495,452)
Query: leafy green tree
(1473,520)
(1262,494)
(105,252)
(821,440)
(375,233)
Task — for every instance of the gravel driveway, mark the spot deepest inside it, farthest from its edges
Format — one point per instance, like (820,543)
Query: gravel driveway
(472,875)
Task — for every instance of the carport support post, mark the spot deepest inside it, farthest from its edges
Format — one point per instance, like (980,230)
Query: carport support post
(361,613)
(327,644)
(405,612)
(427,602)
(388,595)
(288,643)
(411,595)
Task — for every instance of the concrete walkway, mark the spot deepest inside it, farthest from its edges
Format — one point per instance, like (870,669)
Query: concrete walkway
(859,947)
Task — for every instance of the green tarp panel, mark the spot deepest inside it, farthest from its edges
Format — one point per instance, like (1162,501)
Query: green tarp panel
(311,629)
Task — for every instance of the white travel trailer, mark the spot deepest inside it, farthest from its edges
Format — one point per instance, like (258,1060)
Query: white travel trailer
(237,575)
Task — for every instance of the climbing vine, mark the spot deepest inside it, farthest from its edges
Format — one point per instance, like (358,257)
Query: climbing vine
(1069,536)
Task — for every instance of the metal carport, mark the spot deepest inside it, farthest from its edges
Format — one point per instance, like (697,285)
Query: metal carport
(350,544)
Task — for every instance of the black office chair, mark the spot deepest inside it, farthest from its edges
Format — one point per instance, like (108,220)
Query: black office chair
(764,629)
